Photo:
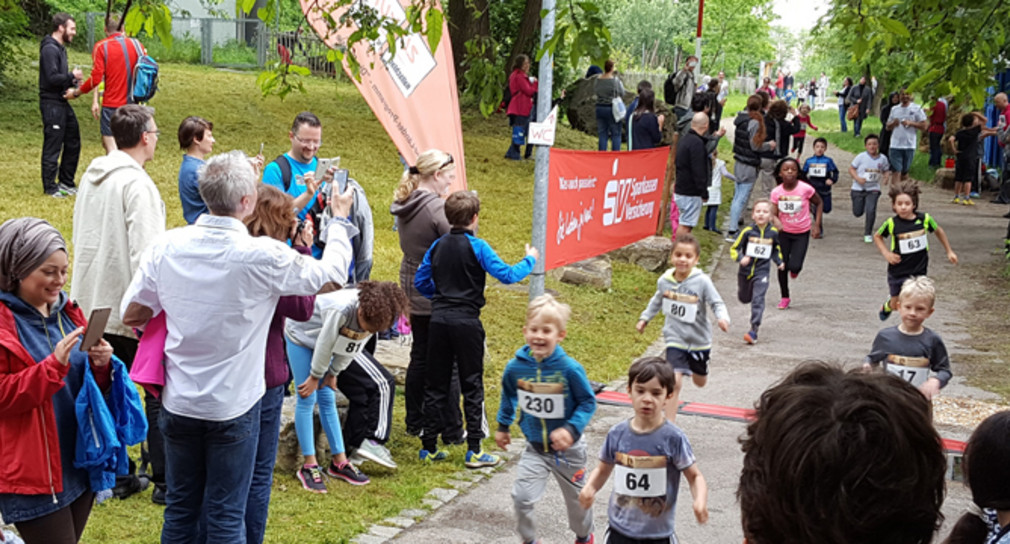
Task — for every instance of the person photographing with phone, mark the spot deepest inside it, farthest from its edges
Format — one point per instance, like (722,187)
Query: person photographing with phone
(41,373)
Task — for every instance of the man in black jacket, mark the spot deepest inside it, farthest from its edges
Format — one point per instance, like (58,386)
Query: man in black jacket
(694,173)
(60,130)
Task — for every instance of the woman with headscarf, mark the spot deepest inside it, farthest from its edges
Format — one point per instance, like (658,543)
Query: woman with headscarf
(41,372)
(420,220)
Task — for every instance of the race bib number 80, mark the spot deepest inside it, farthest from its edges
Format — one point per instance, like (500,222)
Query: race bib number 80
(542,400)
(681,307)
(640,476)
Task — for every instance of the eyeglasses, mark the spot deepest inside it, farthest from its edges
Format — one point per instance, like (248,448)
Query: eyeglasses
(447,162)
(310,143)
(155,132)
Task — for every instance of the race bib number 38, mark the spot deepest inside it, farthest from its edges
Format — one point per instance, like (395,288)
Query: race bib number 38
(640,476)
(790,204)
(914,370)
(681,307)
(912,242)
(542,400)
(759,248)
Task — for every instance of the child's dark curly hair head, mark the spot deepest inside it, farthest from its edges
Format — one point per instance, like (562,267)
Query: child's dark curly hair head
(380,303)
(908,187)
(836,457)
(800,175)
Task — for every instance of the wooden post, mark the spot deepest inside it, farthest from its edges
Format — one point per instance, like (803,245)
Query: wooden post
(668,182)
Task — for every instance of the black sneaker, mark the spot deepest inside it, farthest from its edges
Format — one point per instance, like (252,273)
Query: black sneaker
(158,495)
(347,473)
(130,484)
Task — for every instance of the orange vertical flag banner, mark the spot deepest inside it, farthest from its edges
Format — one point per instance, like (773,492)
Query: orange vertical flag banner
(412,92)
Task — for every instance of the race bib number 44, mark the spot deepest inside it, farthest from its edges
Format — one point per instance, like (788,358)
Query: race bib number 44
(350,342)
(542,400)
(912,242)
(790,204)
(681,307)
(914,370)
(819,170)
(640,476)
(759,248)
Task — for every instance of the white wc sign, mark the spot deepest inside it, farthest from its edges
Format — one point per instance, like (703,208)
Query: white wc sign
(543,133)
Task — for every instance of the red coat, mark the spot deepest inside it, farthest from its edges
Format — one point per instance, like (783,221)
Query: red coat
(522,93)
(28,437)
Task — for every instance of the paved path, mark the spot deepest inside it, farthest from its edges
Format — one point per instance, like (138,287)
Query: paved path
(833,318)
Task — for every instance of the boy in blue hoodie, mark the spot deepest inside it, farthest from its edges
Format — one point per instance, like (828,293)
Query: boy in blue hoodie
(822,174)
(556,403)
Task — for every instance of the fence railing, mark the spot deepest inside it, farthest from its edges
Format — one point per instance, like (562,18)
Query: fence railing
(232,43)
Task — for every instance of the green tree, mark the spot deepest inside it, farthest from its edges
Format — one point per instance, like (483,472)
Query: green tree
(653,25)
(737,34)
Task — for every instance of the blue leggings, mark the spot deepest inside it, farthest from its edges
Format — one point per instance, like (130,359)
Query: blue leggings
(300,360)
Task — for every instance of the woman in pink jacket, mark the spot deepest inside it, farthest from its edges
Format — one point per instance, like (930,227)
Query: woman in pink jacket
(522,86)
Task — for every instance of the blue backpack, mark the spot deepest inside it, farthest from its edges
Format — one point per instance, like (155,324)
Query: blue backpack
(142,84)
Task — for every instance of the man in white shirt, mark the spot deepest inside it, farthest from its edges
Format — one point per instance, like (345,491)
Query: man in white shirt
(219,287)
(905,121)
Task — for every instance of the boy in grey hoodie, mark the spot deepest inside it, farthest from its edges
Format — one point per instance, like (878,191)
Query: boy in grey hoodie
(685,293)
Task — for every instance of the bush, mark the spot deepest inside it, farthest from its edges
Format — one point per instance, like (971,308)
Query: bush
(13,27)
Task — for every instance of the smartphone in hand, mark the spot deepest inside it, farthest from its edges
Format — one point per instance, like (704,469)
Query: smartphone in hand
(96,327)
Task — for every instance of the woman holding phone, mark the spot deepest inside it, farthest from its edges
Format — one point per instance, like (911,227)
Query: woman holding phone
(41,373)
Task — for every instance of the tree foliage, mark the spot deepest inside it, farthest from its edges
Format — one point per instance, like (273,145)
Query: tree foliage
(941,48)
(650,25)
(737,35)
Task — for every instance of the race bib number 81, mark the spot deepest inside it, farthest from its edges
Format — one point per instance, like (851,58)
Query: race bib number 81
(350,342)
(640,476)
(542,400)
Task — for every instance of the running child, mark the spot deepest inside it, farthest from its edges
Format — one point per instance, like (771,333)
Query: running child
(986,458)
(649,454)
(908,251)
(965,144)
(791,200)
(801,121)
(452,274)
(556,402)
(685,293)
(868,170)
(719,171)
(910,351)
(822,174)
(757,244)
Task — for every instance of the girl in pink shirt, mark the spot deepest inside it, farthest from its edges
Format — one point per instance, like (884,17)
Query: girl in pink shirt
(791,201)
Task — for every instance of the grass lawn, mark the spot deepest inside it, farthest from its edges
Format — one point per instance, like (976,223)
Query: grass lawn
(601,332)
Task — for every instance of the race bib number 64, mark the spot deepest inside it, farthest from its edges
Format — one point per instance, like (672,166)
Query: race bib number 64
(819,170)
(643,476)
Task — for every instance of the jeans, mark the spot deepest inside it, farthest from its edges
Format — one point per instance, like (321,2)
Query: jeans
(857,125)
(935,150)
(746,175)
(263,473)
(841,115)
(711,215)
(865,202)
(523,121)
(300,359)
(209,468)
(607,128)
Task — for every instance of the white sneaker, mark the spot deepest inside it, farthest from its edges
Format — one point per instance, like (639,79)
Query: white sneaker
(376,453)
(868,239)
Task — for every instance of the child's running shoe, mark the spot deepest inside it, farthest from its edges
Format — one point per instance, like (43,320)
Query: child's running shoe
(957,200)
(348,473)
(730,236)
(968,202)
(794,275)
(784,303)
(312,478)
(868,239)
(974,194)
(480,459)
(428,456)
(751,337)
(588,540)
(884,312)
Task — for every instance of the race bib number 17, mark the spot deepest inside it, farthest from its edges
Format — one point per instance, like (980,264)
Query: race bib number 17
(914,370)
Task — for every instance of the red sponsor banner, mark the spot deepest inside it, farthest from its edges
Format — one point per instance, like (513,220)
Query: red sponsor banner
(412,93)
(600,201)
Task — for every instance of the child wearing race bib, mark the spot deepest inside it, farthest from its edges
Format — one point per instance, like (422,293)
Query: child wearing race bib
(869,170)
(684,294)
(986,457)
(822,174)
(556,402)
(913,352)
(791,200)
(322,348)
(648,453)
(754,249)
(908,253)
